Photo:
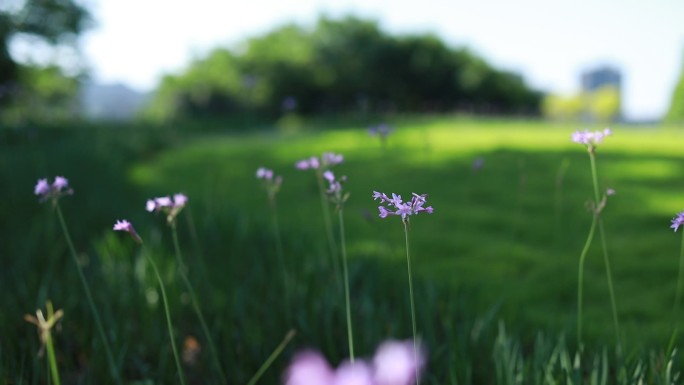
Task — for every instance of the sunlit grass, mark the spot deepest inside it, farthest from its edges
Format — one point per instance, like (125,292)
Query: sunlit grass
(492,249)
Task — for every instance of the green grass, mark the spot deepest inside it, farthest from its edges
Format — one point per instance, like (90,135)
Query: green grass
(503,244)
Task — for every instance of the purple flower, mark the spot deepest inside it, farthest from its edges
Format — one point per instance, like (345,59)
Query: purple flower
(309,368)
(478,163)
(171,207)
(60,183)
(382,130)
(42,187)
(59,187)
(394,363)
(179,200)
(289,103)
(327,160)
(335,188)
(331,159)
(354,373)
(677,221)
(271,184)
(123,225)
(264,173)
(302,165)
(590,139)
(150,205)
(126,226)
(396,206)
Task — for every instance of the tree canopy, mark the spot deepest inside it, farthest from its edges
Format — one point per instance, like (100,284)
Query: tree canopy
(339,66)
(52,21)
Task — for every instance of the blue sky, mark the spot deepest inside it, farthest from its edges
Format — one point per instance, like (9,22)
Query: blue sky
(548,42)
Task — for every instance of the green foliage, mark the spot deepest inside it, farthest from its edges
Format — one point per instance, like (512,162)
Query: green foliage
(340,66)
(676,111)
(559,107)
(53,21)
(47,95)
(601,105)
(604,104)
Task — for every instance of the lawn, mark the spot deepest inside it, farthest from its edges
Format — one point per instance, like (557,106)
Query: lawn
(501,247)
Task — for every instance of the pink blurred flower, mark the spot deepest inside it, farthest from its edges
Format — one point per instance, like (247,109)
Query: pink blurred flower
(309,368)
(171,207)
(327,160)
(353,373)
(60,183)
(590,139)
(124,225)
(42,187)
(59,187)
(394,363)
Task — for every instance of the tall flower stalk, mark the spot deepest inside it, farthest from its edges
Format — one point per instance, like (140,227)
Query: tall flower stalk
(382,131)
(405,209)
(272,185)
(53,192)
(45,334)
(126,226)
(319,165)
(591,140)
(338,198)
(173,207)
(676,222)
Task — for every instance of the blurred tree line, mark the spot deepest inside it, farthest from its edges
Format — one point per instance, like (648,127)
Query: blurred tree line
(340,66)
(601,106)
(676,112)
(38,91)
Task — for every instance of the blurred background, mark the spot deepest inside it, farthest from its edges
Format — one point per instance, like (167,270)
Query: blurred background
(123,60)
(471,102)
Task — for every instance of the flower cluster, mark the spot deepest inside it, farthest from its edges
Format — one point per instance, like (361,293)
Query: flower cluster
(328,159)
(394,363)
(382,130)
(171,207)
(677,221)
(398,207)
(335,188)
(58,188)
(271,183)
(590,139)
(124,225)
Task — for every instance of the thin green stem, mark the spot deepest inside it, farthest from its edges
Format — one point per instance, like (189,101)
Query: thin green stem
(279,250)
(108,351)
(680,281)
(195,303)
(346,286)
(602,233)
(168,316)
(279,349)
(52,358)
(678,298)
(609,277)
(413,308)
(558,198)
(325,207)
(580,279)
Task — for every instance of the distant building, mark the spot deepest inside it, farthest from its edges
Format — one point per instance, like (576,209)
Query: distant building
(596,82)
(599,77)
